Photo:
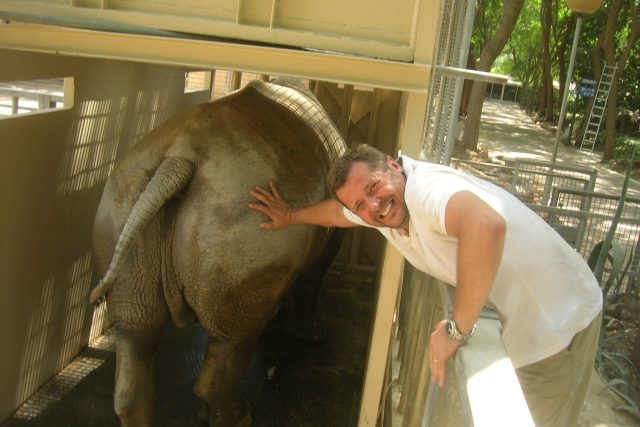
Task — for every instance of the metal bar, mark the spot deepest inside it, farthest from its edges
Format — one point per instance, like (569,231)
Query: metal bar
(274,11)
(345,113)
(236,79)
(429,408)
(469,15)
(565,95)
(238,12)
(464,73)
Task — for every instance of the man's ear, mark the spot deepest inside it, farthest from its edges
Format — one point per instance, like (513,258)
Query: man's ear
(392,163)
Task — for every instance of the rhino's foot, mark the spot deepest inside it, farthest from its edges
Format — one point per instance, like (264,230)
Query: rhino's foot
(306,328)
(237,414)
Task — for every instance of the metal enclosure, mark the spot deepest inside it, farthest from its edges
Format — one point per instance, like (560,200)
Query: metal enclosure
(110,48)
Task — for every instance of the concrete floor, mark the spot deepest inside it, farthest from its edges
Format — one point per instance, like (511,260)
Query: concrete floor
(290,382)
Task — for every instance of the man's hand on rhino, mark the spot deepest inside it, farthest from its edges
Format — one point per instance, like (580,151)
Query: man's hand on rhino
(273,206)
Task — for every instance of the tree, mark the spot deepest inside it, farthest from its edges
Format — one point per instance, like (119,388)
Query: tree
(490,51)
(567,27)
(622,28)
(522,55)
(546,98)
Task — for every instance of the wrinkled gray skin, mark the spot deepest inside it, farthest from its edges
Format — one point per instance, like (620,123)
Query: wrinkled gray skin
(174,238)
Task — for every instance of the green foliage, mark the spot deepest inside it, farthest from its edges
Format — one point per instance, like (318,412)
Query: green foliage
(522,56)
(629,90)
(615,257)
(607,244)
(487,19)
(617,385)
(625,147)
(592,27)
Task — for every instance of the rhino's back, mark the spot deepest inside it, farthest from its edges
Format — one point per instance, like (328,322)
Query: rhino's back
(222,259)
(225,259)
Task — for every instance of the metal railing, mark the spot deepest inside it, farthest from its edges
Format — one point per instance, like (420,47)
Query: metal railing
(529,180)
(412,399)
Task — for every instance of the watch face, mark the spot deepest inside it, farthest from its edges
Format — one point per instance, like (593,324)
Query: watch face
(449,329)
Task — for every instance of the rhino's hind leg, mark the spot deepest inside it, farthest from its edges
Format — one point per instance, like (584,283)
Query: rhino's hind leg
(135,382)
(224,364)
(303,322)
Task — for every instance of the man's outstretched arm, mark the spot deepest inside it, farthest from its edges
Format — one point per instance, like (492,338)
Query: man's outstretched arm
(328,213)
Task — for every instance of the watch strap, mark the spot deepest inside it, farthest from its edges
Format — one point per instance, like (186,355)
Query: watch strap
(454,333)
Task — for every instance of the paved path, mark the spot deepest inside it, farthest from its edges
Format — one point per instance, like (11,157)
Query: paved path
(506,130)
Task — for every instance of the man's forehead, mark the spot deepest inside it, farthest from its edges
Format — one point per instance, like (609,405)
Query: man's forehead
(357,179)
(359,174)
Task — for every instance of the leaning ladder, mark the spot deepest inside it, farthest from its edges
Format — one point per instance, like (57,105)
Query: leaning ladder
(597,109)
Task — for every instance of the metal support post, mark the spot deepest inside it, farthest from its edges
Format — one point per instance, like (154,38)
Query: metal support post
(563,110)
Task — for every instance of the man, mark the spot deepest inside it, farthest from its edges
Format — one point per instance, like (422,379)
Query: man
(495,250)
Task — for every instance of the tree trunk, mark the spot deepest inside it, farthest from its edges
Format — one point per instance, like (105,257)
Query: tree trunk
(562,61)
(609,48)
(546,111)
(491,49)
(612,112)
(466,87)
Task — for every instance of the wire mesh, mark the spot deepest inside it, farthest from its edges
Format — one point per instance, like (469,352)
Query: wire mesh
(534,180)
(446,90)
(501,175)
(581,216)
(585,219)
(528,179)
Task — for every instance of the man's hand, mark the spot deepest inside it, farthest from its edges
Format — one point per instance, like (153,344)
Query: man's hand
(441,348)
(272,206)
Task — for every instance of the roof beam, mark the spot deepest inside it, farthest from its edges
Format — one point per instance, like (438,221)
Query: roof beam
(205,54)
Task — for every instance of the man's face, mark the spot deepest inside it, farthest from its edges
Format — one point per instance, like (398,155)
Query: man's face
(376,196)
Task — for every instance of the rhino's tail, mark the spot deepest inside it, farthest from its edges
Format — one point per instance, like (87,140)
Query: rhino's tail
(171,177)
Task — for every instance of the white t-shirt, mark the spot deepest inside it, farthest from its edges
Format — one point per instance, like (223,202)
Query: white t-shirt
(544,291)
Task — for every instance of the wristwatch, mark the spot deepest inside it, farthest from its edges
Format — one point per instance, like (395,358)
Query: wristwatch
(454,333)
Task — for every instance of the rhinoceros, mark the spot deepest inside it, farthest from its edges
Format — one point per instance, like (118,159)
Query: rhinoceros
(175,240)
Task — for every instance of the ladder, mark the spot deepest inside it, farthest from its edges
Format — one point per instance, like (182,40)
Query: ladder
(597,109)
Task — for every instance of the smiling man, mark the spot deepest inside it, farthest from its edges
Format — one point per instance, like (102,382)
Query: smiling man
(497,252)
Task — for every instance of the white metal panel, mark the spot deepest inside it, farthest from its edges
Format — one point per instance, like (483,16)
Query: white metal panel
(381,20)
(375,28)
(224,10)
(211,55)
